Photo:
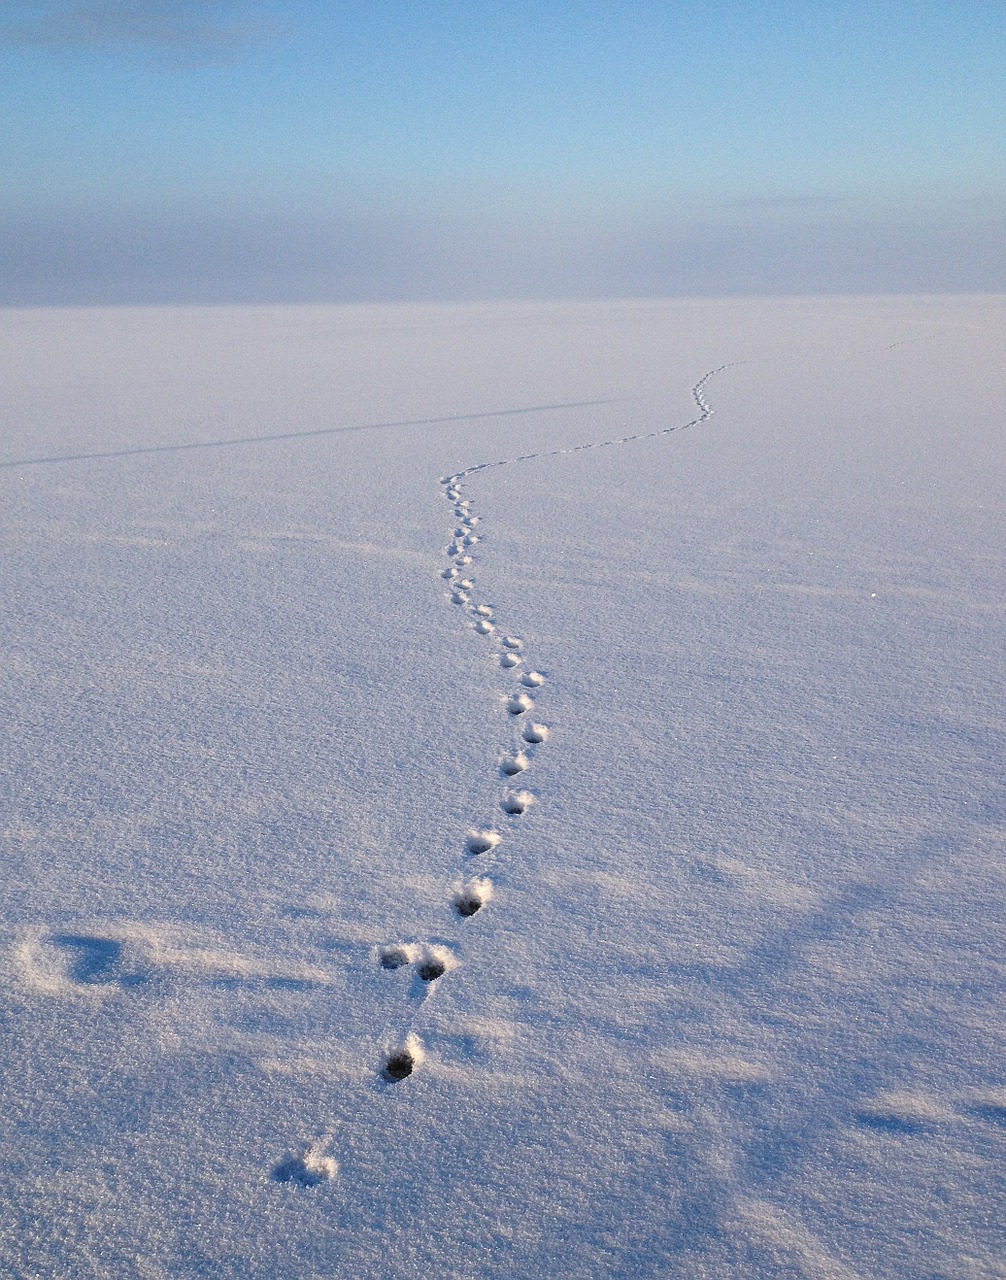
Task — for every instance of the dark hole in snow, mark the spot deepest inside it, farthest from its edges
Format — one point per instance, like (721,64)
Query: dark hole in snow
(467,906)
(399,1065)
(429,970)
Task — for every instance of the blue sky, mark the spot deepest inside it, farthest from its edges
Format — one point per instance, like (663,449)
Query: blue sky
(303,150)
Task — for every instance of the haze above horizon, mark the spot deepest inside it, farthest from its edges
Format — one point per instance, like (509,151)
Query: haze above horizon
(300,151)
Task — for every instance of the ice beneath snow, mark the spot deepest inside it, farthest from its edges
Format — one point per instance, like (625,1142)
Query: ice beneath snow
(733,1006)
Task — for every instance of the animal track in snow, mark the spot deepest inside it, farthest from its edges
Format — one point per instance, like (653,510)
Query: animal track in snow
(473,897)
(396,955)
(400,1062)
(516,802)
(515,764)
(482,841)
(433,961)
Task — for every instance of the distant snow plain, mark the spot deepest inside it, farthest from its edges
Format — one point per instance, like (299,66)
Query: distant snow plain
(729,999)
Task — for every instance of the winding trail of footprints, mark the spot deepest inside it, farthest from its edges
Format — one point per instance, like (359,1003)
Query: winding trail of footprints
(432,962)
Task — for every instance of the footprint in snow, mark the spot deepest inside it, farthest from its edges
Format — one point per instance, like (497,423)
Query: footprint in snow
(460,597)
(431,960)
(483,610)
(449,572)
(510,660)
(515,764)
(434,961)
(397,954)
(464,560)
(517,802)
(535,732)
(482,841)
(511,642)
(532,679)
(483,627)
(400,1062)
(518,704)
(473,897)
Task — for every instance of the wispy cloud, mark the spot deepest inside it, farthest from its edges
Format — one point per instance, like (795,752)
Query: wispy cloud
(169,30)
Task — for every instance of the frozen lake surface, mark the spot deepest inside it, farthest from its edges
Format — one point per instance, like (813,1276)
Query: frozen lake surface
(590,866)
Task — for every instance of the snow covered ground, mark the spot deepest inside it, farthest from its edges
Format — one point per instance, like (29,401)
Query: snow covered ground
(731,1004)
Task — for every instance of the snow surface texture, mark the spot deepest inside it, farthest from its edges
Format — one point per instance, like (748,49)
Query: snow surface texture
(304,606)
